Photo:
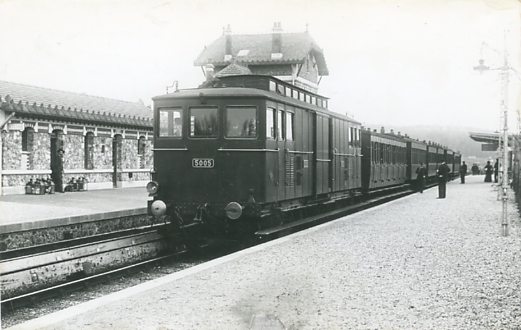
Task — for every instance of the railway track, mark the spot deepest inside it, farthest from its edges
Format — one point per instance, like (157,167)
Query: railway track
(45,269)
(37,273)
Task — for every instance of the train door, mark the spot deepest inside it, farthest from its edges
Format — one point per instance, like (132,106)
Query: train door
(281,147)
(340,162)
(322,159)
(292,158)
(302,152)
(272,155)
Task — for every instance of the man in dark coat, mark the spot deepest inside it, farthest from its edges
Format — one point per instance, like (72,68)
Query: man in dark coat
(421,173)
(496,171)
(488,172)
(57,171)
(463,172)
(443,177)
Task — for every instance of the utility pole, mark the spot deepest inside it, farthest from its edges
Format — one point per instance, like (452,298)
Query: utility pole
(504,111)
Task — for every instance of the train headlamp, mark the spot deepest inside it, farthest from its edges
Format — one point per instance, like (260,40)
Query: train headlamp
(152,187)
(233,210)
(158,208)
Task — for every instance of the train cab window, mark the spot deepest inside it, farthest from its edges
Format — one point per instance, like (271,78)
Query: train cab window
(280,125)
(289,126)
(170,123)
(270,123)
(204,123)
(241,122)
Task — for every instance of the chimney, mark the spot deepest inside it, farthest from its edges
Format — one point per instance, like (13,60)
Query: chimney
(209,71)
(276,39)
(228,45)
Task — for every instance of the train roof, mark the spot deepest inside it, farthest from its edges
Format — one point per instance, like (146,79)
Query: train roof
(250,86)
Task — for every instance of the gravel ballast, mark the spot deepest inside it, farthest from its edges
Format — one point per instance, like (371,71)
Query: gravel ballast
(416,263)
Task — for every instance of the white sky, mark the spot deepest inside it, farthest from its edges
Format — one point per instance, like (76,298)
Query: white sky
(392,62)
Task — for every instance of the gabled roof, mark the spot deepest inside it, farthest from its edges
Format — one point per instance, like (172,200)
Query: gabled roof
(50,103)
(295,47)
(232,70)
(52,97)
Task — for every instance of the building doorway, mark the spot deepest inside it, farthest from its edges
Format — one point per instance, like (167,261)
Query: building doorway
(57,154)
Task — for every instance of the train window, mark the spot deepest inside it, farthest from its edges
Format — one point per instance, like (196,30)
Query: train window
(280,126)
(273,86)
(204,123)
(241,122)
(289,126)
(170,123)
(270,123)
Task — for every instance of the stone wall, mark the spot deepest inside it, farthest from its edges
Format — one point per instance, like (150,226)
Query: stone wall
(74,156)
(38,156)
(102,152)
(11,150)
(41,152)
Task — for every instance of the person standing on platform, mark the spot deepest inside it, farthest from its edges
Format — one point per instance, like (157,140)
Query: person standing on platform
(488,172)
(463,172)
(496,170)
(420,177)
(475,169)
(443,176)
(57,171)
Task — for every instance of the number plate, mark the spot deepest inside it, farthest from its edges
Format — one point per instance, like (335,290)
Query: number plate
(202,162)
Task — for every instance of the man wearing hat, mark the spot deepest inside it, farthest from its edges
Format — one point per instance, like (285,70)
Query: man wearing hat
(443,177)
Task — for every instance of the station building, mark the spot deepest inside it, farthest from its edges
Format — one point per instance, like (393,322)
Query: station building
(291,57)
(66,136)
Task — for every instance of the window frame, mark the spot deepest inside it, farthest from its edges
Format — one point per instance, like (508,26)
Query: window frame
(170,123)
(290,114)
(225,117)
(189,119)
(273,131)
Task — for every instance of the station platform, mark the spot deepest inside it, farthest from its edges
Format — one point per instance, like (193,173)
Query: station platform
(415,263)
(26,212)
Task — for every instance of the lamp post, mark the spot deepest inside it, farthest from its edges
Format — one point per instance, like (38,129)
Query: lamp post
(504,110)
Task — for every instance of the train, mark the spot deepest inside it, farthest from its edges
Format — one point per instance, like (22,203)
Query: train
(246,154)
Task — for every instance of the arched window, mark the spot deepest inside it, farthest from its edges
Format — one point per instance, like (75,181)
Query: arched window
(141,151)
(89,151)
(27,147)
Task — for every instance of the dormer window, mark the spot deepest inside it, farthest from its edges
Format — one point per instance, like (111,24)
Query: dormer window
(243,52)
(227,57)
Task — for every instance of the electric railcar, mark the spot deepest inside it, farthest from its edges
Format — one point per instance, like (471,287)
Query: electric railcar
(243,154)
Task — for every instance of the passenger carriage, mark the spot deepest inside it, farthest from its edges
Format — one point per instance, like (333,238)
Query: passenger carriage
(449,159)
(416,155)
(384,160)
(432,161)
(457,163)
